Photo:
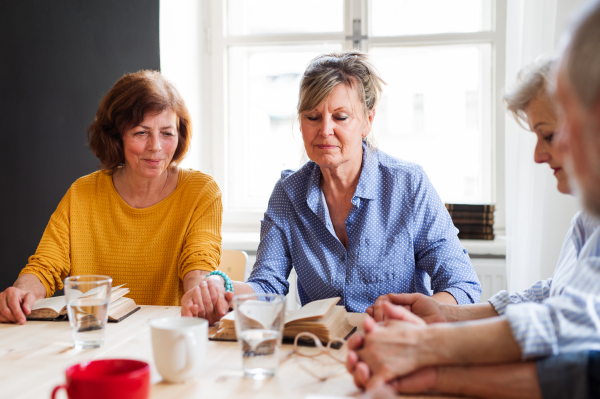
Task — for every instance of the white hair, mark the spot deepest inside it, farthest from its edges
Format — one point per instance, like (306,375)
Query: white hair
(533,80)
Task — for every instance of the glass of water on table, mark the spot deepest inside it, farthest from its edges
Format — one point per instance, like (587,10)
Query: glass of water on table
(259,320)
(87,299)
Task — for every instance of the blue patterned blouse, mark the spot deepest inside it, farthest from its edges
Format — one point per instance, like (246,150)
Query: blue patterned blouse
(401,238)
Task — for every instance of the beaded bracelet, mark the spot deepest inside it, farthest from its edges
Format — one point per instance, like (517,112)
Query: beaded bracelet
(228,284)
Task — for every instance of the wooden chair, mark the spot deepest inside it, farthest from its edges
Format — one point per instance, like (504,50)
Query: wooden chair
(233,263)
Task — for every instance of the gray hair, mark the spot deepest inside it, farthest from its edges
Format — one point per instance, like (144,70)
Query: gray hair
(582,55)
(532,81)
(351,68)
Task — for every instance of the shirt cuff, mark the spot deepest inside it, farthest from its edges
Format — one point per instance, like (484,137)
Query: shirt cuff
(462,298)
(500,301)
(533,328)
(563,376)
(257,288)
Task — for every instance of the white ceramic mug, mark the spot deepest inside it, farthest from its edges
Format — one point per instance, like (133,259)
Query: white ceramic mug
(179,345)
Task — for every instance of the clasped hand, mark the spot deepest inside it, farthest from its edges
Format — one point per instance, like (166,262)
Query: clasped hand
(393,352)
(207,299)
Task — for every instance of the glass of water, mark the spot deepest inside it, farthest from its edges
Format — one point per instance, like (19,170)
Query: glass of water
(259,320)
(88,298)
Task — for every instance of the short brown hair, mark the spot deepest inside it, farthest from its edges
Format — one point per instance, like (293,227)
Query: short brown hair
(125,105)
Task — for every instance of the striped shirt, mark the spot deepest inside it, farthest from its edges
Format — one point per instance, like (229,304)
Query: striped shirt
(561,314)
(401,239)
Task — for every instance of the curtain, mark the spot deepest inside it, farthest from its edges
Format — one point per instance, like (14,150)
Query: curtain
(537,215)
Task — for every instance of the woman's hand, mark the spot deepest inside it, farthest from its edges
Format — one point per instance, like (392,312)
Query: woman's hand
(427,308)
(15,305)
(17,301)
(208,300)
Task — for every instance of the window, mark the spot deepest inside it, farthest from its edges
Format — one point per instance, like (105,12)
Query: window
(442,61)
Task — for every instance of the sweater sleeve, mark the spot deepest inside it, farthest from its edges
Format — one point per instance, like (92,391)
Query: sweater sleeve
(202,244)
(52,260)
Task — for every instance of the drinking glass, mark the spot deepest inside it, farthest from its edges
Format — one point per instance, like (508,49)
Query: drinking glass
(259,320)
(88,298)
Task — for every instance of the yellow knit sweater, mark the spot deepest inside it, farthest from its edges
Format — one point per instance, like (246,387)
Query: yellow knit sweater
(93,231)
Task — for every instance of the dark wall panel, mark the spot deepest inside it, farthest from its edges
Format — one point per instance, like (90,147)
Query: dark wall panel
(57,60)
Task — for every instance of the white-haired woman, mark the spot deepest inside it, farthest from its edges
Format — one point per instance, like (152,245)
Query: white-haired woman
(533,320)
(355,222)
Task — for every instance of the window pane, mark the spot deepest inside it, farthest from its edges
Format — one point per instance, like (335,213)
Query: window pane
(436,112)
(263,135)
(421,17)
(259,17)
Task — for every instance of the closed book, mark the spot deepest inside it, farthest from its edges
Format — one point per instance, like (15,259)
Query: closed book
(481,222)
(471,215)
(471,207)
(476,236)
(474,228)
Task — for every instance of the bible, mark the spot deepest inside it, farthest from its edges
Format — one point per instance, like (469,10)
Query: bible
(321,318)
(55,308)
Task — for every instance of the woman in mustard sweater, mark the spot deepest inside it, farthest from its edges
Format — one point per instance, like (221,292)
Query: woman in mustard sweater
(140,219)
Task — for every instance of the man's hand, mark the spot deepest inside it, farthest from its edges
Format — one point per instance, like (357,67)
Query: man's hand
(427,308)
(208,300)
(15,305)
(421,381)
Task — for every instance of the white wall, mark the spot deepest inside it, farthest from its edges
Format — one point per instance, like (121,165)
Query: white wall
(185,61)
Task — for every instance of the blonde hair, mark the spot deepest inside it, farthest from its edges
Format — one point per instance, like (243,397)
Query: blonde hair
(351,68)
(533,80)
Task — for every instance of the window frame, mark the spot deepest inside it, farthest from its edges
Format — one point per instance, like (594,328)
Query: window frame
(218,41)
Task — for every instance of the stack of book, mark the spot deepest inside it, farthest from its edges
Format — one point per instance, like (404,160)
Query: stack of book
(475,222)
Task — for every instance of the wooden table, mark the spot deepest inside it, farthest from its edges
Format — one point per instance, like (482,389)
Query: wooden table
(33,359)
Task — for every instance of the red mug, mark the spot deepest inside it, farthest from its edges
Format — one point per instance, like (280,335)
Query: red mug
(109,378)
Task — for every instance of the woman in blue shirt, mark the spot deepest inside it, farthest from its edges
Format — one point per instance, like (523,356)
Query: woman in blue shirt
(355,222)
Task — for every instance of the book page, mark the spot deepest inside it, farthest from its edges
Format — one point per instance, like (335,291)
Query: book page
(259,313)
(313,310)
(55,303)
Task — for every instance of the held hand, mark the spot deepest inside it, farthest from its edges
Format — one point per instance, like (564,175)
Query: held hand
(427,308)
(207,300)
(15,305)
(421,381)
(391,351)
(359,369)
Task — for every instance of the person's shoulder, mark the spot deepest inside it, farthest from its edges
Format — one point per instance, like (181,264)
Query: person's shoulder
(295,181)
(301,174)
(195,183)
(93,181)
(397,167)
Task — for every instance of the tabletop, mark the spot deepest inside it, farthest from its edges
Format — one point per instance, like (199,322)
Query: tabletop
(34,357)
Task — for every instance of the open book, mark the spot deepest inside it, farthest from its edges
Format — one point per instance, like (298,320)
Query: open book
(321,318)
(55,308)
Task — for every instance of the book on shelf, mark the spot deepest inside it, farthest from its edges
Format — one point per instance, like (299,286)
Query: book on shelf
(476,236)
(322,318)
(480,222)
(470,207)
(55,308)
(471,215)
(474,228)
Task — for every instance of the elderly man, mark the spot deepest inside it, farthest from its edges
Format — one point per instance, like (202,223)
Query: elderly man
(413,356)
